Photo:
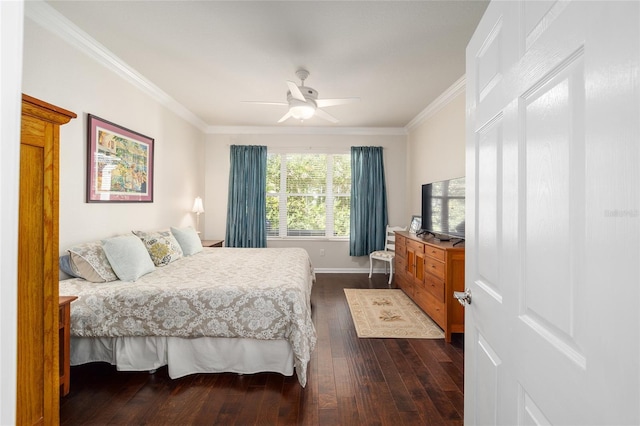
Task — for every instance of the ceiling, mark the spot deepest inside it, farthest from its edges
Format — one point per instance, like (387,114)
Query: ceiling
(210,56)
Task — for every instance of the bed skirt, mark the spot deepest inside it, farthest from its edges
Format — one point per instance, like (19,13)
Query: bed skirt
(186,356)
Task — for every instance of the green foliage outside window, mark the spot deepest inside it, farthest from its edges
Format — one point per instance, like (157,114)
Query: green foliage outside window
(301,188)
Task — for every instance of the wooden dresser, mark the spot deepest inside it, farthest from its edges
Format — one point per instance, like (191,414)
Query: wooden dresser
(429,271)
(38,375)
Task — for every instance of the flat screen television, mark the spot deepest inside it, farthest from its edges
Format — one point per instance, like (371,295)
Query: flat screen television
(443,209)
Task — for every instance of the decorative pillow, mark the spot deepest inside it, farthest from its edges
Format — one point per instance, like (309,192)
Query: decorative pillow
(88,261)
(161,245)
(65,266)
(188,240)
(128,256)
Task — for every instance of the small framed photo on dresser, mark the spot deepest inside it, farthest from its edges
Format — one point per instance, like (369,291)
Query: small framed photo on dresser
(416,224)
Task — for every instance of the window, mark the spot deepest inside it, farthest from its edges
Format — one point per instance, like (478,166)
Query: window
(308,195)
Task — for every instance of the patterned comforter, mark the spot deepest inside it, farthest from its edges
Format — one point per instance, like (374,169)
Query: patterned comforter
(219,292)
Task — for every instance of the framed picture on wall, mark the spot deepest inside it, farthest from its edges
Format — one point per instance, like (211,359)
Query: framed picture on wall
(416,224)
(119,164)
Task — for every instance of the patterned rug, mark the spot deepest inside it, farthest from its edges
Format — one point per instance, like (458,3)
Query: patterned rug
(389,313)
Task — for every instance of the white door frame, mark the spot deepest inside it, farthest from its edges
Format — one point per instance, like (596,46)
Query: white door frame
(11,27)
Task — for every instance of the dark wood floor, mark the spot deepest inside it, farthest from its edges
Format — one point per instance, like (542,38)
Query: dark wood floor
(351,381)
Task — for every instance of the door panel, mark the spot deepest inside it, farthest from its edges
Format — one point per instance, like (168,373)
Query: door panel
(553,214)
(489,148)
(488,365)
(553,180)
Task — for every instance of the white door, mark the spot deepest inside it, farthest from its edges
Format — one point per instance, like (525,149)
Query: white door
(553,214)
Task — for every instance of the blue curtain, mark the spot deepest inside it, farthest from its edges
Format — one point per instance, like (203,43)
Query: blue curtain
(246,208)
(368,201)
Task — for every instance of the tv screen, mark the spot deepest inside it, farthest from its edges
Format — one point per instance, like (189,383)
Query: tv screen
(443,208)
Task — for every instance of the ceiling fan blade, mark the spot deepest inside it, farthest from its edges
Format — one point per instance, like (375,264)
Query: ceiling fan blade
(322,103)
(323,114)
(264,103)
(285,117)
(295,91)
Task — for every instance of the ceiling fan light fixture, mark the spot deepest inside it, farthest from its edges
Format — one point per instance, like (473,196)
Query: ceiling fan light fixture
(304,103)
(302,111)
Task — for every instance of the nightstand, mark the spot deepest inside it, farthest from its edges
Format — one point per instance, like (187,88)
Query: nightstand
(64,336)
(212,243)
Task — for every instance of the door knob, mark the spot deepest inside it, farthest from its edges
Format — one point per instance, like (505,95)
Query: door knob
(464,297)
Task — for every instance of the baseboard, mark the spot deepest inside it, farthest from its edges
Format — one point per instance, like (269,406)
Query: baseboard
(349,271)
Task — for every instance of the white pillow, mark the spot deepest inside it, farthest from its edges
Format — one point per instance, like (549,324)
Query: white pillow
(188,240)
(128,257)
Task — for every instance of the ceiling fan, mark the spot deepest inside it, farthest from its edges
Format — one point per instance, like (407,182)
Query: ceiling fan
(303,101)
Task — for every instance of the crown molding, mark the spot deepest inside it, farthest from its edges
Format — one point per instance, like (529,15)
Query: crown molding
(276,130)
(440,102)
(52,20)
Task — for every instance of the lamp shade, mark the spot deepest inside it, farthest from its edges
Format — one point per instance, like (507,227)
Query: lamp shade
(197,206)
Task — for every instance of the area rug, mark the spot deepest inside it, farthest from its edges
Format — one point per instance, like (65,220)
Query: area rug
(389,313)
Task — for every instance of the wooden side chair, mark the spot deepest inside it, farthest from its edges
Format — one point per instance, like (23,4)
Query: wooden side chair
(389,253)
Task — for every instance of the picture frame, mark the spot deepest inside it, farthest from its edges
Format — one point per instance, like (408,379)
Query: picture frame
(416,224)
(119,163)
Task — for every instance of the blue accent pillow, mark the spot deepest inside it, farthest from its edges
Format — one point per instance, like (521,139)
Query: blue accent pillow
(65,266)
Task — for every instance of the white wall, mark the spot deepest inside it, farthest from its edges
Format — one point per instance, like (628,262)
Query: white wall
(436,149)
(59,73)
(336,253)
(11,18)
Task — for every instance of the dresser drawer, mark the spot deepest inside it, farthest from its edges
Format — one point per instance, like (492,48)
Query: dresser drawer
(434,267)
(400,265)
(415,246)
(435,286)
(434,252)
(433,307)
(401,246)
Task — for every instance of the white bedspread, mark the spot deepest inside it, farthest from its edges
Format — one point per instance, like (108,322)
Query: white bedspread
(220,292)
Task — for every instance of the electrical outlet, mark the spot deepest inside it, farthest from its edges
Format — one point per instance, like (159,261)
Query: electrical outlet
(322,252)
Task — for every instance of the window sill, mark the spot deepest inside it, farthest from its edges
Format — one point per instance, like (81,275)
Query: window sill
(318,239)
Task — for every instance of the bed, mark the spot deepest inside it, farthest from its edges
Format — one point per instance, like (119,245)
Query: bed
(239,310)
